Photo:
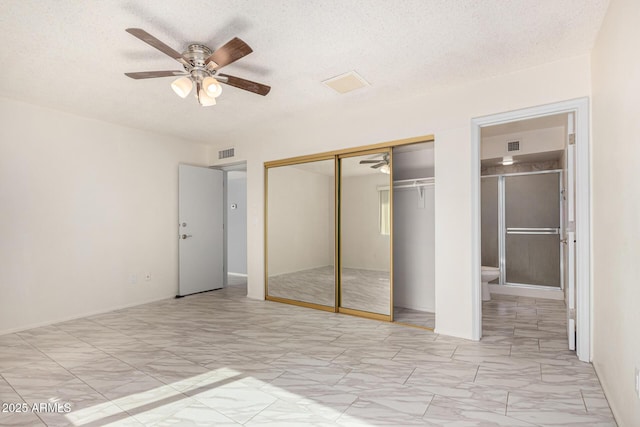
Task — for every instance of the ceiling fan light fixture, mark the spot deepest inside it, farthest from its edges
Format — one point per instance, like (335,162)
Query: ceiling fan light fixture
(182,86)
(204,99)
(212,87)
(385,169)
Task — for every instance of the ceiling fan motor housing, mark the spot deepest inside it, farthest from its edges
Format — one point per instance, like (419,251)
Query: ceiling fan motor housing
(196,55)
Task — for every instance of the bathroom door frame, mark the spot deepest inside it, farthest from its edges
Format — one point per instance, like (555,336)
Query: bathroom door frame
(580,108)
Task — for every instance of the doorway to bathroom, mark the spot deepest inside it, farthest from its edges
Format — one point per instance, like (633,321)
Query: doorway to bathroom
(533,171)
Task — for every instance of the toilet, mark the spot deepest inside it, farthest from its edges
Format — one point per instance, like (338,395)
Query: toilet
(488,274)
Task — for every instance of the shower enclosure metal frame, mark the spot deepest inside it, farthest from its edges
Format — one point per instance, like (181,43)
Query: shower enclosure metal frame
(503,230)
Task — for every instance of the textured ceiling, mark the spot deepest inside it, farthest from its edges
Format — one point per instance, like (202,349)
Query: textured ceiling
(71,54)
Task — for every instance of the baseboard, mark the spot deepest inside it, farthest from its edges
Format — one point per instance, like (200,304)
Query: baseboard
(237,274)
(555,294)
(605,391)
(417,308)
(80,316)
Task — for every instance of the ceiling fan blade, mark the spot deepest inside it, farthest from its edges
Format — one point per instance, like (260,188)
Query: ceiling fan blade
(229,52)
(254,87)
(363,162)
(152,41)
(379,165)
(154,74)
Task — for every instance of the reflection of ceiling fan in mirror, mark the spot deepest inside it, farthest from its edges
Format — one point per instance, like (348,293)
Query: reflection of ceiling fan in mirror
(201,66)
(381,163)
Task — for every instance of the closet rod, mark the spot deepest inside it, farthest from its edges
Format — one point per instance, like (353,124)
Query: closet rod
(422,184)
(410,183)
(414,183)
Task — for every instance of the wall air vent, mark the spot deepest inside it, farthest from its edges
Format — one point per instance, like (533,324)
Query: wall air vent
(225,154)
(513,146)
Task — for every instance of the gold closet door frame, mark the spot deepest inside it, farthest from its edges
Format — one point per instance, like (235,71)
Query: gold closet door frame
(354,312)
(289,162)
(336,155)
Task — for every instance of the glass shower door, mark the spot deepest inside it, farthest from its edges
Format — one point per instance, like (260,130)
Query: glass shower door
(532,226)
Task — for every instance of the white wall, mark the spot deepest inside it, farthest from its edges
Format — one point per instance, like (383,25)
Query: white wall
(616,208)
(363,246)
(237,222)
(84,206)
(300,227)
(534,141)
(444,112)
(414,249)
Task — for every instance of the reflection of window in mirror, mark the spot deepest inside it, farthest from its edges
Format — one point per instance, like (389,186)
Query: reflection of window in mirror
(385,216)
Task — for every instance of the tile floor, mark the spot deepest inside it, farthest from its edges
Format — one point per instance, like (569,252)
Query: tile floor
(424,319)
(365,290)
(221,359)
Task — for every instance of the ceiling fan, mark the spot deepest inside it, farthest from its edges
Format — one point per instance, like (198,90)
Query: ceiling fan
(377,163)
(201,66)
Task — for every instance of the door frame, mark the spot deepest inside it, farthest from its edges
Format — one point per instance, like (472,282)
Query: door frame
(580,107)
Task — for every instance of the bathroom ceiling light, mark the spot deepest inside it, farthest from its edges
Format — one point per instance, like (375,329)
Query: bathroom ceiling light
(507,161)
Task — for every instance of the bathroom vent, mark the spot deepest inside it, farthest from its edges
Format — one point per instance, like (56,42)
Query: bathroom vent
(225,154)
(513,146)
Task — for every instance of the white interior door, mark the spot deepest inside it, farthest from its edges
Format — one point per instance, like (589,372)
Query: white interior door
(569,240)
(201,214)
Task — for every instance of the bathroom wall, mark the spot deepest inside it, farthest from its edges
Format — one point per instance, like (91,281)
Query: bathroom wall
(534,141)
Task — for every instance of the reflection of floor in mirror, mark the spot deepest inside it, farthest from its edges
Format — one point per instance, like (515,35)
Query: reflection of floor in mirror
(414,317)
(366,290)
(316,285)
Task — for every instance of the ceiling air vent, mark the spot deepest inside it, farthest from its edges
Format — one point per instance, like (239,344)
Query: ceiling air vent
(513,146)
(225,154)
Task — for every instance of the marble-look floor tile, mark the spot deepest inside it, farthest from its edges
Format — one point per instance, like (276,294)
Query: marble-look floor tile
(365,413)
(197,415)
(20,420)
(281,413)
(221,358)
(449,412)
(443,373)
(236,401)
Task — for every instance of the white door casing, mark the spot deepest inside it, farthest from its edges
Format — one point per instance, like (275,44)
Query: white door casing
(570,235)
(580,107)
(201,229)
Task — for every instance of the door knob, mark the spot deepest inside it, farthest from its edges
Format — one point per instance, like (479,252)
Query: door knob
(186,236)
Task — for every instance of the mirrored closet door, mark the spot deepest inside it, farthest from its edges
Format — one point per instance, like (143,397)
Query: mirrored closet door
(335,239)
(365,234)
(300,212)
